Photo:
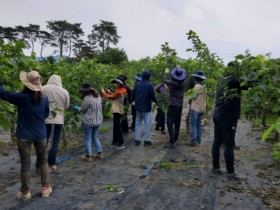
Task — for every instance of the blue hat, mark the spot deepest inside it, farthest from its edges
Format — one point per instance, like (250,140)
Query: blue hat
(199,74)
(178,73)
(137,77)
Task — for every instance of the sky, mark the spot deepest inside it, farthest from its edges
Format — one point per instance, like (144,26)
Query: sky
(227,27)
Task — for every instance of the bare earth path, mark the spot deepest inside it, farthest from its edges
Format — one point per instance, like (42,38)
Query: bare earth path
(180,178)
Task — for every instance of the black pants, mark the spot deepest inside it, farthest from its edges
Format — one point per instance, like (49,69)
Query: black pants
(224,132)
(160,118)
(124,123)
(173,122)
(53,136)
(133,112)
(117,130)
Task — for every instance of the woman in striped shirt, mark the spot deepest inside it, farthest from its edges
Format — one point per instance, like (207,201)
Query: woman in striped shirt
(92,117)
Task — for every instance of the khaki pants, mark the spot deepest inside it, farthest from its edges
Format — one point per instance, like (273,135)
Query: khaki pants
(24,149)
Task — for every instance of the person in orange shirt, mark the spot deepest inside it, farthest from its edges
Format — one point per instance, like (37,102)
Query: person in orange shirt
(117,111)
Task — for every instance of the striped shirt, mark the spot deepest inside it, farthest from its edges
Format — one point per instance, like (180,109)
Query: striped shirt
(91,111)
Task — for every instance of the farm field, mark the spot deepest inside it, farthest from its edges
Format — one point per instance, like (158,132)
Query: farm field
(180,178)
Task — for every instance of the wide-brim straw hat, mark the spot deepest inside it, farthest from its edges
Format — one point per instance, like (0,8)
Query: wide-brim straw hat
(31,79)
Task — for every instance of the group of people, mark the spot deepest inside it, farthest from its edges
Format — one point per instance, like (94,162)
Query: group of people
(41,117)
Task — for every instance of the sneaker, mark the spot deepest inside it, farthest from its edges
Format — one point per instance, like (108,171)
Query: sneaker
(113,146)
(121,147)
(24,196)
(52,168)
(46,191)
(217,171)
(236,147)
(192,143)
(169,145)
(163,132)
(86,158)
(137,142)
(147,143)
(98,155)
(198,142)
(236,177)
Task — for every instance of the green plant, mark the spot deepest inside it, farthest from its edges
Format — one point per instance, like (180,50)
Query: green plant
(276,152)
(110,188)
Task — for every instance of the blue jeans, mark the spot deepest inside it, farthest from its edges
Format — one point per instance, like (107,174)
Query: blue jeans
(195,122)
(140,116)
(91,133)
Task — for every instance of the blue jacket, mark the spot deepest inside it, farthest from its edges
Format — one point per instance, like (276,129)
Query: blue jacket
(143,94)
(31,117)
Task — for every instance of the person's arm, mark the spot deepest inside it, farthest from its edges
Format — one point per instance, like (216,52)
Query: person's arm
(119,93)
(13,98)
(152,95)
(67,101)
(85,105)
(47,107)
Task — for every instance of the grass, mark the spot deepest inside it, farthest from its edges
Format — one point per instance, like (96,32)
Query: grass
(178,165)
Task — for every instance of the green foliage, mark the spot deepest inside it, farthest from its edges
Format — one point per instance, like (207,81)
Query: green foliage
(110,188)
(276,152)
(275,126)
(112,56)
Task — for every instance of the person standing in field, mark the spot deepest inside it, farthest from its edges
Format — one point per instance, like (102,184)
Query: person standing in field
(117,111)
(162,103)
(59,101)
(33,109)
(92,118)
(177,88)
(143,95)
(226,115)
(133,111)
(198,106)
(126,104)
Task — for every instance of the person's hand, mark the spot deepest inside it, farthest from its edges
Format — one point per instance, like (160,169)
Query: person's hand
(76,108)
(166,70)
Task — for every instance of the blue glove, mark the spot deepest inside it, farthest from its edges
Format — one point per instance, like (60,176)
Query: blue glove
(76,107)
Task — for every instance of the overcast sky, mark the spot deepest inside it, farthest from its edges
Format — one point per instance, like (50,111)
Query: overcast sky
(228,27)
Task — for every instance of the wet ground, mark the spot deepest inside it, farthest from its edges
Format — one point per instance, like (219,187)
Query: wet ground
(152,177)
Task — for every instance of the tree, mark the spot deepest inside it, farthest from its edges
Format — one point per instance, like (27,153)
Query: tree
(44,39)
(64,34)
(112,56)
(8,33)
(28,34)
(103,35)
(82,50)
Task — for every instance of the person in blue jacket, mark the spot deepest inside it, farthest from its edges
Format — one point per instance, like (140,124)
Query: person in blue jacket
(143,95)
(33,109)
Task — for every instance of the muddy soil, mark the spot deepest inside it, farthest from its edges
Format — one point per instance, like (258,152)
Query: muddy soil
(179,178)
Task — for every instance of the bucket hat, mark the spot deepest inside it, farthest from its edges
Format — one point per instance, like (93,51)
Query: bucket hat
(117,81)
(137,77)
(178,73)
(199,74)
(31,79)
(86,87)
